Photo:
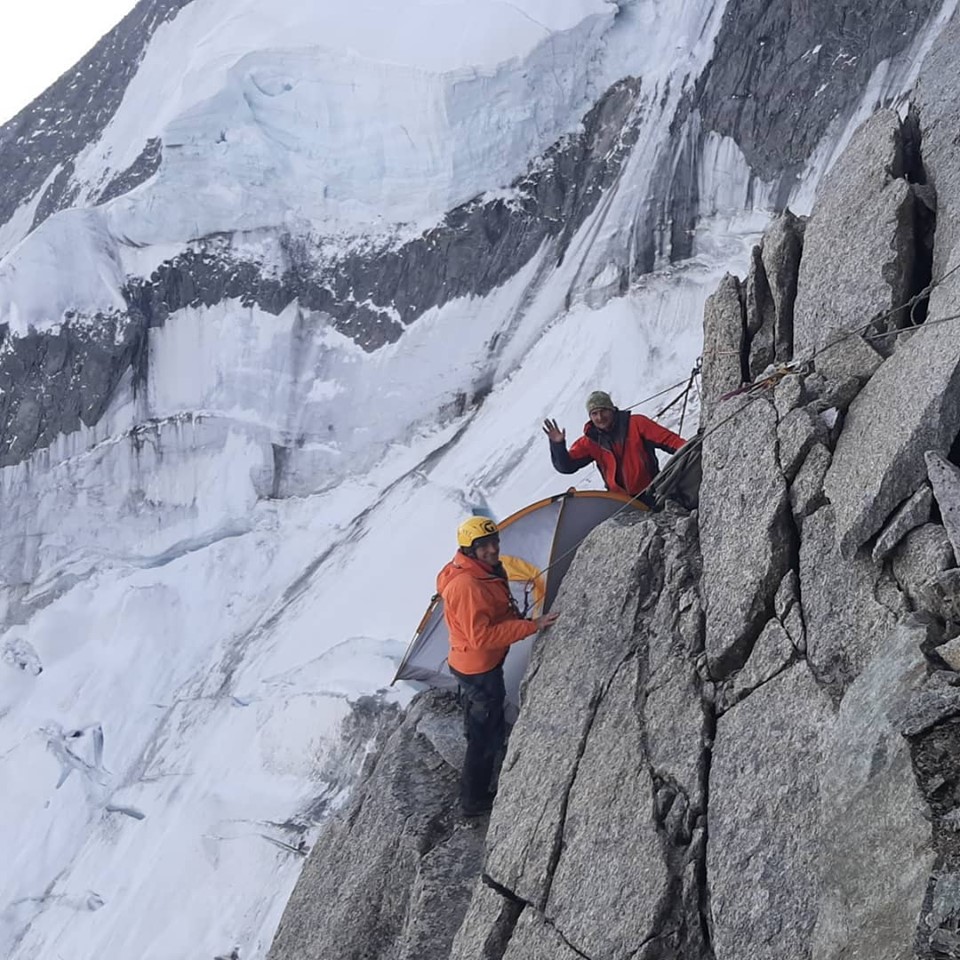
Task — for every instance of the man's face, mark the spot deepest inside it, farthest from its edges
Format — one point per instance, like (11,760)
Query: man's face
(488,551)
(603,418)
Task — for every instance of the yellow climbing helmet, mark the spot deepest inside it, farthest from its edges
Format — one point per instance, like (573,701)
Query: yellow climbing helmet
(473,529)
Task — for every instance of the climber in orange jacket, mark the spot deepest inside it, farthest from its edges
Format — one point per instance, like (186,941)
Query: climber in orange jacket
(620,443)
(482,620)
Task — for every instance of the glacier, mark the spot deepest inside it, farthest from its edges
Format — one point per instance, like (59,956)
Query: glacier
(198,583)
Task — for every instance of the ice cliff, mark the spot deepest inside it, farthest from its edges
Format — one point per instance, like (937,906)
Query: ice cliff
(742,738)
(285,290)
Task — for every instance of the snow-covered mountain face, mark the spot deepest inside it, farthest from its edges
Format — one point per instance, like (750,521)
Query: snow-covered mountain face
(285,289)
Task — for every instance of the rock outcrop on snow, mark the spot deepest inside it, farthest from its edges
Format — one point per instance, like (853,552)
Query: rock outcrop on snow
(406,898)
(742,739)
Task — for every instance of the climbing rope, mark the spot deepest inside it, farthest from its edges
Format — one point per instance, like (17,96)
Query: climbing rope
(912,303)
(655,396)
(694,373)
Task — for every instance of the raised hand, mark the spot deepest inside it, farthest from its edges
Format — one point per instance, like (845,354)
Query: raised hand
(552,429)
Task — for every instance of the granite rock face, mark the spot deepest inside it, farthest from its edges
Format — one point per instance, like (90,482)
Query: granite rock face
(911,405)
(870,801)
(723,344)
(764,831)
(848,606)
(865,207)
(937,102)
(650,809)
(781,72)
(945,478)
(914,513)
(747,529)
(558,839)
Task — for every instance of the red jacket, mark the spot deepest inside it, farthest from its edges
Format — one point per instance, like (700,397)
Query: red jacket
(625,457)
(481,616)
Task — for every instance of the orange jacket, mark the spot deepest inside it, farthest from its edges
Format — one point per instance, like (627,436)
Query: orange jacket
(481,616)
(625,458)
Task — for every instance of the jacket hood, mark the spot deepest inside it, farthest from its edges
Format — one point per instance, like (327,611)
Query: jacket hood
(462,566)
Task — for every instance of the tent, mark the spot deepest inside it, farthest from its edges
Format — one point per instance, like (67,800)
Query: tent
(537,545)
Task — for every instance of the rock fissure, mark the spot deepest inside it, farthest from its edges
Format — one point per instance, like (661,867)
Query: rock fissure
(924,216)
(557,848)
(638,954)
(504,892)
(553,926)
(704,911)
(746,692)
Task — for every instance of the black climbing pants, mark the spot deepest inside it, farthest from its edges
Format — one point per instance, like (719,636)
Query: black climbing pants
(485,729)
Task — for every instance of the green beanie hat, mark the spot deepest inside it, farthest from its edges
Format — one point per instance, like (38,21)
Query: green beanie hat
(600,400)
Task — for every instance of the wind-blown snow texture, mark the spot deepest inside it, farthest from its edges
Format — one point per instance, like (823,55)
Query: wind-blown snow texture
(225,501)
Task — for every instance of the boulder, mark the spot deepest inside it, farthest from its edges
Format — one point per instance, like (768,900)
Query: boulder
(911,405)
(806,491)
(746,532)
(838,394)
(847,356)
(723,344)
(761,317)
(949,652)
(772,653)
(780,252)
(765,838)
(788,394)
(843,604)
(921,554)
(864,207)
(940,595)
(945,478)
(928,709)
(770,293)
(797,432)
(913,513)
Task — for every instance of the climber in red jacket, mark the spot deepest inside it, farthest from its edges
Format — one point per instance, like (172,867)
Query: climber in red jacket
(620,443)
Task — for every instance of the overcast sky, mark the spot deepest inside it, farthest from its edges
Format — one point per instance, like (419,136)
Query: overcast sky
(40,39)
